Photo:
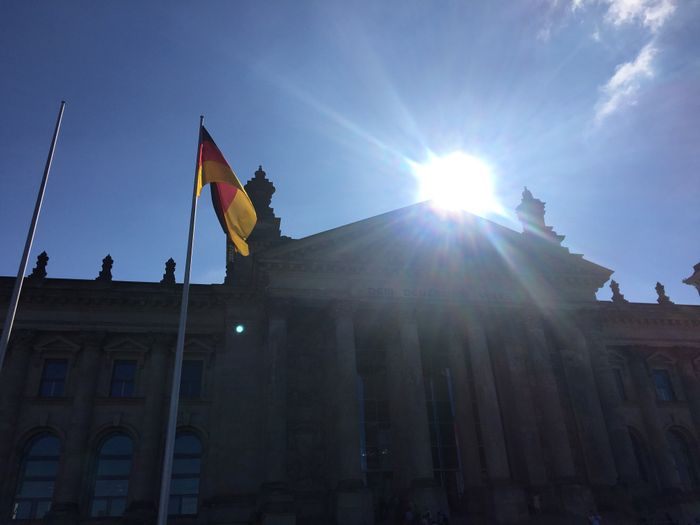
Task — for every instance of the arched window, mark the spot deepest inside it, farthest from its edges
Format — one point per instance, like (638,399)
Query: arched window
(184,484)
(112,476)
(682,457)
(36,478)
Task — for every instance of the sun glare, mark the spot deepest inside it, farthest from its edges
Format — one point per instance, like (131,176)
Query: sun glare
(457,181)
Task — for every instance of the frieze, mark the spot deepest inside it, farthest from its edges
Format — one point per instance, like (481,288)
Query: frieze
(646,321)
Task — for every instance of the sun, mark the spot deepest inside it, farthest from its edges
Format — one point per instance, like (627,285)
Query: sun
(457,181)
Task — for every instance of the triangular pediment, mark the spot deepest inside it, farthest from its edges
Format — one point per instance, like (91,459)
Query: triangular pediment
(125,344)
(421,240)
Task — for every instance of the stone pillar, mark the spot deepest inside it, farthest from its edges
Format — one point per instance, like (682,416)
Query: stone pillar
(612,412)
(13,377)
(691,388)
(583,392)
(413,466)
(465,419)
(353,502)
(508,502)
(68,486)
(278,503)
(658,443)
(522,415)
(548,400)
(145,488)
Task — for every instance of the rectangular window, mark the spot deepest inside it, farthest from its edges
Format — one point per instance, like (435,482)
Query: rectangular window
(191,379)
(123,379)
(664,387)
(53,378)
(620,384)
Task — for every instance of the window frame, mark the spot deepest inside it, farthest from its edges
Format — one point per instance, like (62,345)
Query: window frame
(96,476)
(23,478)
(43,378)
(668,378)
(200,394)
(179,498)
(132,382)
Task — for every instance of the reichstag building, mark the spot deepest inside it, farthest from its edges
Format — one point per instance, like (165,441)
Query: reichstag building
(405,364)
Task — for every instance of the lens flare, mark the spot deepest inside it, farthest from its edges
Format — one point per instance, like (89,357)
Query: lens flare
(457,181)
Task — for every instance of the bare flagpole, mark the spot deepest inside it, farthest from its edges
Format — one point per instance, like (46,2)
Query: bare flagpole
(179,351)
(14,301)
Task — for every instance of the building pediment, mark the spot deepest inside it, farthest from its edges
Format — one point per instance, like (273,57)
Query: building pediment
(439,250)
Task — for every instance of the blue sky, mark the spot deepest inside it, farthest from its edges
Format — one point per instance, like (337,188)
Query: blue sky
(593,104)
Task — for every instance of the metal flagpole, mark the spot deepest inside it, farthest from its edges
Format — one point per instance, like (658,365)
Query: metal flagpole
(14,301)
(179,351)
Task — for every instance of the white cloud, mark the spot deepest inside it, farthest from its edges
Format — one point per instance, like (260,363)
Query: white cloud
(623,86)
(651,13)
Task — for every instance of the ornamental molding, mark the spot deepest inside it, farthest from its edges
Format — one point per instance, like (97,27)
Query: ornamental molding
(86,294)
(126,344)
(631,320)
(55,343)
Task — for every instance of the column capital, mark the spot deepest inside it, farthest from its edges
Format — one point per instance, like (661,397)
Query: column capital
(279,307)
(161,342)
(343,309)
(92,340)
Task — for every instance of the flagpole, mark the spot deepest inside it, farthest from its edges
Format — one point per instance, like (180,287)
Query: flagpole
(14,301)
(179,351)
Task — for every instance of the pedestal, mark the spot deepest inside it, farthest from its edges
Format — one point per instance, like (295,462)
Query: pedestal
(353,504)
(509,504)
(427,496)
(277,506)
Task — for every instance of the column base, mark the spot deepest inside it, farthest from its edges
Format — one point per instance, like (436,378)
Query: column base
(428,496)
(576,499)
(509,504)
(141,513)
(353,504)
(277,505)
(63,513)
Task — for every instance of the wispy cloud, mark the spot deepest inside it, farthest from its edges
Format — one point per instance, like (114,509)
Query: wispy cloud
(622,88)
(651,13)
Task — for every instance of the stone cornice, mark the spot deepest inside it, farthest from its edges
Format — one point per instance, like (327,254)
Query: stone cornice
(78,292)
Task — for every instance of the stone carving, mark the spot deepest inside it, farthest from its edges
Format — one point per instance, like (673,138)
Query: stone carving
(694,280)
(260,191)
(169,275)
(106,272)
(661,292)
(39,271)
(531,215)
(617,297)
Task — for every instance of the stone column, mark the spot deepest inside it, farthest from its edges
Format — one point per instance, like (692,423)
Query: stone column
(487,401)
(548,400)
(658,443)
(522,414)
(278,504)
(144,488)
(353,502)
(465,419)
(508,502)
(612,412)
(691,388)
(13,377)
(67,493)
(586,403)
(413,466)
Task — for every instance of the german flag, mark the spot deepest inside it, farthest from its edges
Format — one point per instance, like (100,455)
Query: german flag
(232,205)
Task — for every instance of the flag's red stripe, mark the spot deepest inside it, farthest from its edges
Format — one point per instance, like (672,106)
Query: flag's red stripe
(222,196)
(211,152)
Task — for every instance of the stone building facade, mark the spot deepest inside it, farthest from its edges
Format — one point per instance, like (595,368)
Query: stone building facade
(410,360)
